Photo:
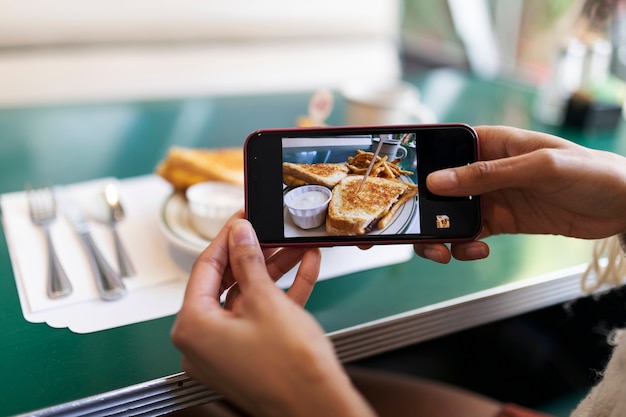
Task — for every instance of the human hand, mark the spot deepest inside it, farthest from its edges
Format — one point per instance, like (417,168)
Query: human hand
(262,350)
(532,182)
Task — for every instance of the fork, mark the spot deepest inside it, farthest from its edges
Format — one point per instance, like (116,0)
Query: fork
(42,208)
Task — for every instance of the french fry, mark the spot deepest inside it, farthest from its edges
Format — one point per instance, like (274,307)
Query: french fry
(356,170)
(389,172)
(358,164)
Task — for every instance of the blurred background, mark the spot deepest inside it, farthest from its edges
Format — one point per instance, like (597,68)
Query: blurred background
(153,62)
(86,50)
(70,50)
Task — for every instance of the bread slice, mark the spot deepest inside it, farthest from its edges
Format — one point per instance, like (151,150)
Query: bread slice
(351,213)
(324,174)
(184,167)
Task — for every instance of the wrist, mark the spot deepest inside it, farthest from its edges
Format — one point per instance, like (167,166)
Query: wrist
(334,395)
(316,384)
(342,400)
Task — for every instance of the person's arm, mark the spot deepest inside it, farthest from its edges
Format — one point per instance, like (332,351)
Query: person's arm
(263,352)
(532,182)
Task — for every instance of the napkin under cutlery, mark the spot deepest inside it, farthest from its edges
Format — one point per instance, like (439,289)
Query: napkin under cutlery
(162,268)
(83,310)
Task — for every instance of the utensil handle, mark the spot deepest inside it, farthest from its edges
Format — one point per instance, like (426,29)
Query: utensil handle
(58,284)
(109,283)
(123,259)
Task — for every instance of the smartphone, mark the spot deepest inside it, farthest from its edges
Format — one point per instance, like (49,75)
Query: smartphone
(319,186)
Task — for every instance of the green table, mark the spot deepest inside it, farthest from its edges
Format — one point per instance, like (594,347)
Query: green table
(135,366)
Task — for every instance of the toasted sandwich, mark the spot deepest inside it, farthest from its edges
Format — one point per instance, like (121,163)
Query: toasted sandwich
(324,174)
(351,213)
(183,167)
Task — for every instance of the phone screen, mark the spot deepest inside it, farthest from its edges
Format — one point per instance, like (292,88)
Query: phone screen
(357,185)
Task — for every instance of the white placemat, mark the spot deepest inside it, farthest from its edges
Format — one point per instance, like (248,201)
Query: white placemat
(162,268)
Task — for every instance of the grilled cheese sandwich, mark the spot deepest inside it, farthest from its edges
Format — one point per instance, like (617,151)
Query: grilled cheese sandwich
(324,174)
(351,213)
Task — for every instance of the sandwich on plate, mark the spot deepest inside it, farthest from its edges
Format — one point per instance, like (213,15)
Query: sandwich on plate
(357,213)
(324,174)
(183,167)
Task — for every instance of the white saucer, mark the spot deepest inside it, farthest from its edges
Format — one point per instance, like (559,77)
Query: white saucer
(176,225)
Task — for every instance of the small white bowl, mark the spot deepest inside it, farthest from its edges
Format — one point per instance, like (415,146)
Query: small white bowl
(211,204)
(308,205)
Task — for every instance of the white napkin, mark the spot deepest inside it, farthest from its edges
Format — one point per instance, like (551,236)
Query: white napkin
(162,268)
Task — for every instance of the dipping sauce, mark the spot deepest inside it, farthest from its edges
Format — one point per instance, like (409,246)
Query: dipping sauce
(307,205)
(211,204)
(218,199)
(308,200)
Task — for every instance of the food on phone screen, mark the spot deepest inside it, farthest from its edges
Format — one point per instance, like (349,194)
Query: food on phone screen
(351,213)
(359,163)
(313,174)
(308,205)
(183,167)
(348,213)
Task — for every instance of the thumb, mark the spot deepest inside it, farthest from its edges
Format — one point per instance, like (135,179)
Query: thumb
(484,176)
(247,261)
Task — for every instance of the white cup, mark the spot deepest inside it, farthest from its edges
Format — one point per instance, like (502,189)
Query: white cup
(211,204)
(390,148)
(312,213)
(391,103)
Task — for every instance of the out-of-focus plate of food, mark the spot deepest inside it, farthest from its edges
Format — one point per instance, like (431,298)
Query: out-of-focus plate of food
(183,168)
(175,223)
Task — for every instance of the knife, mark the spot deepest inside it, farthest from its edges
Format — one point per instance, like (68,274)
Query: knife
(109,283)
(371,165)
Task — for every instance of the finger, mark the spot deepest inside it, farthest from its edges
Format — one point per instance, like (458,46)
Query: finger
(470,251)
(205,280)
(201,299)
(305,279)
(437,252)
(509,156)
(247,260)
(485,176)
(283,261)
(504,141)
(278,264)
(224,232)
(229,280)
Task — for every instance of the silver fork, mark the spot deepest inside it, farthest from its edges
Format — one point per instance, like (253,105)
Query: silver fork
(42,206)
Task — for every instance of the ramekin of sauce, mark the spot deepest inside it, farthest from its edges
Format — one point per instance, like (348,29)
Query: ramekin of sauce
(211,204)
(308,205)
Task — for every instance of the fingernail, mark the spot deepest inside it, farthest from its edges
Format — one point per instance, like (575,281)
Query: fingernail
(243,233)
(443,180)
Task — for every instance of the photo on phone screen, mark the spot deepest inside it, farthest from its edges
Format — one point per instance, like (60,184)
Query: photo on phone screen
(334,198)
(356,185)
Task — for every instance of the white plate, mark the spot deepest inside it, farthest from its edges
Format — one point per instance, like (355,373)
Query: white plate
(176,225)
(404,221)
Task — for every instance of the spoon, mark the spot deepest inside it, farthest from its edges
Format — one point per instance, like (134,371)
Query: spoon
(116,212)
